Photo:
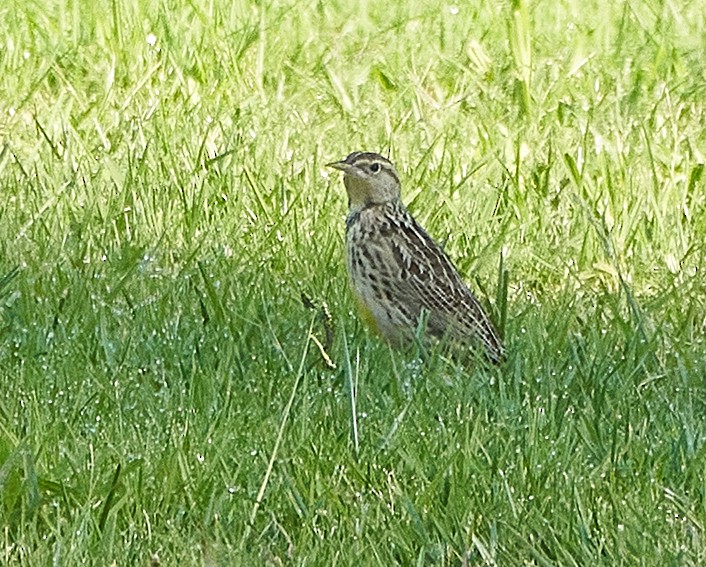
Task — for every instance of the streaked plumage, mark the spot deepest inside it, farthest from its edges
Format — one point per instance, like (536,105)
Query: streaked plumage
(397,272)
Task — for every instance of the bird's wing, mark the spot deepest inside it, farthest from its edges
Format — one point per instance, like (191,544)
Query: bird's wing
(431,281)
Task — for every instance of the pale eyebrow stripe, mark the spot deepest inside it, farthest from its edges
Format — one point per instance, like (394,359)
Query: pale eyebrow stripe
(364,159)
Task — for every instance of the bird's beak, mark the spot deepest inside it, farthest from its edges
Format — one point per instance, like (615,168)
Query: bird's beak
(340,165)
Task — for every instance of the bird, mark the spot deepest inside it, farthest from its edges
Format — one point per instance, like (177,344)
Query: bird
(401,279)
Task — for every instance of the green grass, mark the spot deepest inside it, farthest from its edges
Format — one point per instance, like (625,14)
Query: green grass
(164,206)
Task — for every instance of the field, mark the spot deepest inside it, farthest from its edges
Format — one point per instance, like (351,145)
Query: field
(184,377)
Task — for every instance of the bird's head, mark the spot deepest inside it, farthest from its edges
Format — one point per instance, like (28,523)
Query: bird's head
(370,179)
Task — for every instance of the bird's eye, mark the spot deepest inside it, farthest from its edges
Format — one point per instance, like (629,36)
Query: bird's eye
(375,167)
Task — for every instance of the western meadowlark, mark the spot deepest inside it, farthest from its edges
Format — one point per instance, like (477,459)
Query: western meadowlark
(400,277)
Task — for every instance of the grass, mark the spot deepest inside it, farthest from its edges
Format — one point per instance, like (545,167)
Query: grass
(164,210)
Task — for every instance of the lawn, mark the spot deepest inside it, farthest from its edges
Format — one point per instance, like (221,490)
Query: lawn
(184,378)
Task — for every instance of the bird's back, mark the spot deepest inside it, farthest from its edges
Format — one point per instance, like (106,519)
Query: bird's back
(398,273)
